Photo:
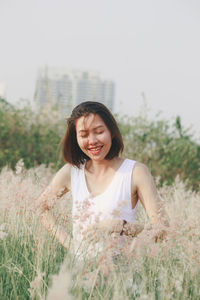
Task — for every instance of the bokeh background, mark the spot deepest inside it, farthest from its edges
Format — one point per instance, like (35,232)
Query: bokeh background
(150,49)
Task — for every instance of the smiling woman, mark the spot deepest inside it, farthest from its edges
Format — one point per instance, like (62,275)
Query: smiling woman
(79,130)
(93,136)
(105,187)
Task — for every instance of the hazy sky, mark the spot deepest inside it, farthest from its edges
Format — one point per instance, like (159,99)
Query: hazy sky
(145,46)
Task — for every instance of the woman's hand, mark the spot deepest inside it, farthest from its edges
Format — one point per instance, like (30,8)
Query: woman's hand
(114,227)
(132,229)
(152,234)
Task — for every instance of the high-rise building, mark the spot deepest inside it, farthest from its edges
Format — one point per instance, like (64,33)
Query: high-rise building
(67,88)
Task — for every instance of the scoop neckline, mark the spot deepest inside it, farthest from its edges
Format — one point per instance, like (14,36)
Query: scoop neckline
(108,187)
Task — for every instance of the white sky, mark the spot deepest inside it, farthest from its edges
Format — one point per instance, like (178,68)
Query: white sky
(145,46)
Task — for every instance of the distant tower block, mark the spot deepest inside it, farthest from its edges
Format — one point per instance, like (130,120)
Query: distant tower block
(67,88)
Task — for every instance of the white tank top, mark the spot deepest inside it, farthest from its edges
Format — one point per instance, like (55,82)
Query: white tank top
(113,203)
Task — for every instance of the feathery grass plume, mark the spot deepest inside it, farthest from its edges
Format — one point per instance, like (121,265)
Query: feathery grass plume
(131,266)
(61,284)
(35,285)
(3,234)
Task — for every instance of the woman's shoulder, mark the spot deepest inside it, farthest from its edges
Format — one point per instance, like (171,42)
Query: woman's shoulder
(140,167)
(137,166)
(140,174)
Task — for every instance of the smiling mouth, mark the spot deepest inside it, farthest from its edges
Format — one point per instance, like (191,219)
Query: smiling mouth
(95,150)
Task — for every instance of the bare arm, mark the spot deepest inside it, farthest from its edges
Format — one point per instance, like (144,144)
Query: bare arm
(143,183)
(57,188)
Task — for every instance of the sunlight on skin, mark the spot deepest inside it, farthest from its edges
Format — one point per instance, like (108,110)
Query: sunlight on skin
(92,132)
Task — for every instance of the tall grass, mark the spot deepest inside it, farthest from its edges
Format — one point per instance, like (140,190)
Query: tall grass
(33,265)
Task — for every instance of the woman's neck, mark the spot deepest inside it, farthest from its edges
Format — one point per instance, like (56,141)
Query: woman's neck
(97,167)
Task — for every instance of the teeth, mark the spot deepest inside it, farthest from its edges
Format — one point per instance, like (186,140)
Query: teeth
(95,149)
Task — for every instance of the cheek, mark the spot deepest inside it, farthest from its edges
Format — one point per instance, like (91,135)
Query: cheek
(108,138)
(81,142)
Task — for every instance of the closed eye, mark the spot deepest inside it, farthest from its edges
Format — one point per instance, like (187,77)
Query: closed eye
(83,135)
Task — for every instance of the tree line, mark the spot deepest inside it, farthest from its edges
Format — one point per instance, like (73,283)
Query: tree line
(166,147)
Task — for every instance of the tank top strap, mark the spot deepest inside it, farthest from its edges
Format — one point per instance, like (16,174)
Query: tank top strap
(128,165)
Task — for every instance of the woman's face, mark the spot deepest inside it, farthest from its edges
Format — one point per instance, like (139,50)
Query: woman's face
(93,136)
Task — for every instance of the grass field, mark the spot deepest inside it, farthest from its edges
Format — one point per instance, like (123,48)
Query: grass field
(33,265)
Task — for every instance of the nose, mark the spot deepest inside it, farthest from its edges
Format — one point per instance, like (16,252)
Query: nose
(92,139)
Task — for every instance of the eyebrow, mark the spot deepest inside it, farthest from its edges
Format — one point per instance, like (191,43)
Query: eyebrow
(82,130)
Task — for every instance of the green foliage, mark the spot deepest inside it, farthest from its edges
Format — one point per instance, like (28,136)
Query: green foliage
(167,149)
(27,135)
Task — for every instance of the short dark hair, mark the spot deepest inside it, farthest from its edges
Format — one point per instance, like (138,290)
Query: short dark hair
(70,149)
